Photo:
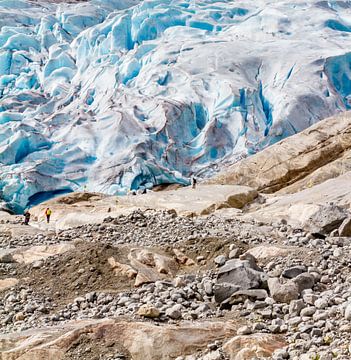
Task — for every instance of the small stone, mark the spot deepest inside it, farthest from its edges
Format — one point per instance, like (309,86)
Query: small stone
(234,253)
(174,312)
(148,311)
(19,316)
(309,311)
(296,306)
(294,271)
(37,264)
(316,332)
(244,330)
(321,303)
(310,298)
(220,260)
(325,279)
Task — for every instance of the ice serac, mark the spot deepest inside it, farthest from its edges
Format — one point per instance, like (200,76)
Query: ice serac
(110,95)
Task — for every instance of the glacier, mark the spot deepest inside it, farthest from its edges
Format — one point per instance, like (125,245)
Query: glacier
(111,95)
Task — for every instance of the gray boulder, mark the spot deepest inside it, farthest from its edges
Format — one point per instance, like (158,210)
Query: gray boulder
(223,291)
(294,271)
(283,293)
(327,219)
(238,275)
(304,281)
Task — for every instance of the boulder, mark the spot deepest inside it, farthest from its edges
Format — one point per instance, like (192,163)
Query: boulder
(238,275)
(264,252)
(223,291)
(294,271)
(151,266)
(255,346)
(183,259)
(304,281)
(326,219)
(122,269)
(174,312)
(283,293)
(345,227)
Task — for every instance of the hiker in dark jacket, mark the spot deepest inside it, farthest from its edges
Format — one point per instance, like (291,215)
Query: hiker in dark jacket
(26,217)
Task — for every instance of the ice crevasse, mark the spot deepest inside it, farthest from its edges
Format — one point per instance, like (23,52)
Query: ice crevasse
(111,95)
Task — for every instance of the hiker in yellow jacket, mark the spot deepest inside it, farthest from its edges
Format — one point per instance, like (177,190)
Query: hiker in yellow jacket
(48,213)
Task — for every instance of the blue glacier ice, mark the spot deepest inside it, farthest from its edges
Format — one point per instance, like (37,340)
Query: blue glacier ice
(110,95)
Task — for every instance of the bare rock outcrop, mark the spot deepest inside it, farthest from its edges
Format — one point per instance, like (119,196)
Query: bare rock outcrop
(295,158)
(143,341)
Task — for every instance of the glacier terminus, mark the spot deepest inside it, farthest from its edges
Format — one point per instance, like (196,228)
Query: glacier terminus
(112,95)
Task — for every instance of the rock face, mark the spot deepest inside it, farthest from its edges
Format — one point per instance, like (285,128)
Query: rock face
(143,341)
(293,158)
(297,209)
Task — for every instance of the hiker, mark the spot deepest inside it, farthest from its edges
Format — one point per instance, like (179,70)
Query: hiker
(26,217)
(193,182)
(48,214)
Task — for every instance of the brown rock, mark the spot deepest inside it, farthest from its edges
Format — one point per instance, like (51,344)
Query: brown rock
(148,311)
(19,316)
(144,341)
(182,258)
(122,269)
(151,266)
(248,347)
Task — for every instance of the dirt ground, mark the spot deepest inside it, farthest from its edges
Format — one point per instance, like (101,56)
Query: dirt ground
(77,272)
